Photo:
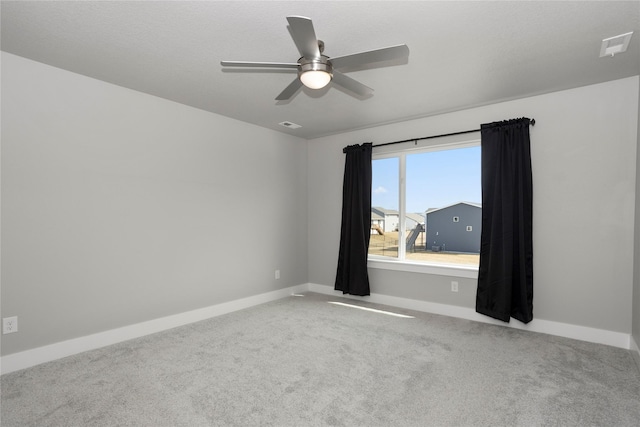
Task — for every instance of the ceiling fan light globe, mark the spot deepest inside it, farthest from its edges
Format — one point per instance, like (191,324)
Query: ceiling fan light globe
(315,79)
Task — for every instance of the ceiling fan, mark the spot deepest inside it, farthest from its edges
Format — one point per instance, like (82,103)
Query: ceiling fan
(316,70)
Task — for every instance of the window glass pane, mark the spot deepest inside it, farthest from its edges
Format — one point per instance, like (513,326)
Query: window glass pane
(384,208)
(443,197)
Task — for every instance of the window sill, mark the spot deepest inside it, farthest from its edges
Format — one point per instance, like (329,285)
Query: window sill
(455,270)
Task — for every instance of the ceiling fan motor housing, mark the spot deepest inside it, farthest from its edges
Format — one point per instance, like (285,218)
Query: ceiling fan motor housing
(321,64)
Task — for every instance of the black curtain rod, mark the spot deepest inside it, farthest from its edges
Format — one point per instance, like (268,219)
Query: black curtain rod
(533,122)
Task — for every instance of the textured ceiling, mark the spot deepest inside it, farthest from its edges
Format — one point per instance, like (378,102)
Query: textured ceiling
(462,54)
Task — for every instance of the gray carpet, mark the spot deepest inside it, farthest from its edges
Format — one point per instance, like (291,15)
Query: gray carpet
(303,362)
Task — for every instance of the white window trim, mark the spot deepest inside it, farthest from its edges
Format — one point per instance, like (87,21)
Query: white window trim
(454,270)
(396,264)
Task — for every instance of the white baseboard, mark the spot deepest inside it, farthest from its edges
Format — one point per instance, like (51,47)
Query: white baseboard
(582,333)
(28,358)
(25,359)
(635,351)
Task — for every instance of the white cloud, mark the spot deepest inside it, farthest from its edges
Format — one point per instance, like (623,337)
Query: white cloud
(380,190)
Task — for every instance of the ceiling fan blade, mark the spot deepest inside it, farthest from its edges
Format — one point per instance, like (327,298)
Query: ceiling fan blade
(259,64)
(290,90)
(351,84)
(371,56)
(304,36)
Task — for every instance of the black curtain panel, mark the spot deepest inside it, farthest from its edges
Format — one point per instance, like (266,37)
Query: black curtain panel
(505,276)
(352,276)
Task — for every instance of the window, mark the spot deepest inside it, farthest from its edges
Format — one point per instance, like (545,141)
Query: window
(426,206)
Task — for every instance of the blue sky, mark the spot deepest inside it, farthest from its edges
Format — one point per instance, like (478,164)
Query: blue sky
(434,179)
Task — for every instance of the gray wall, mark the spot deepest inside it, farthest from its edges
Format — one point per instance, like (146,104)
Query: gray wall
(636,277)
(452,236)
(584,172)
(120,207)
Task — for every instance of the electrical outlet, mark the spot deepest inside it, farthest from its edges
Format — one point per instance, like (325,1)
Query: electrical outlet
(277,274)
(9,325)
(454,286)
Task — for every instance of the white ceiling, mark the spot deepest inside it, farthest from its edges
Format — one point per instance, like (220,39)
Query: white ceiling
(462,54)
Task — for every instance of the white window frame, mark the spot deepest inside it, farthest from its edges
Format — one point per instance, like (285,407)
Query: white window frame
(401,151)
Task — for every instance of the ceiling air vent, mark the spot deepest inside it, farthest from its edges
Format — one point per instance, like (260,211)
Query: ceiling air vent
(290,125)
(617,44)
